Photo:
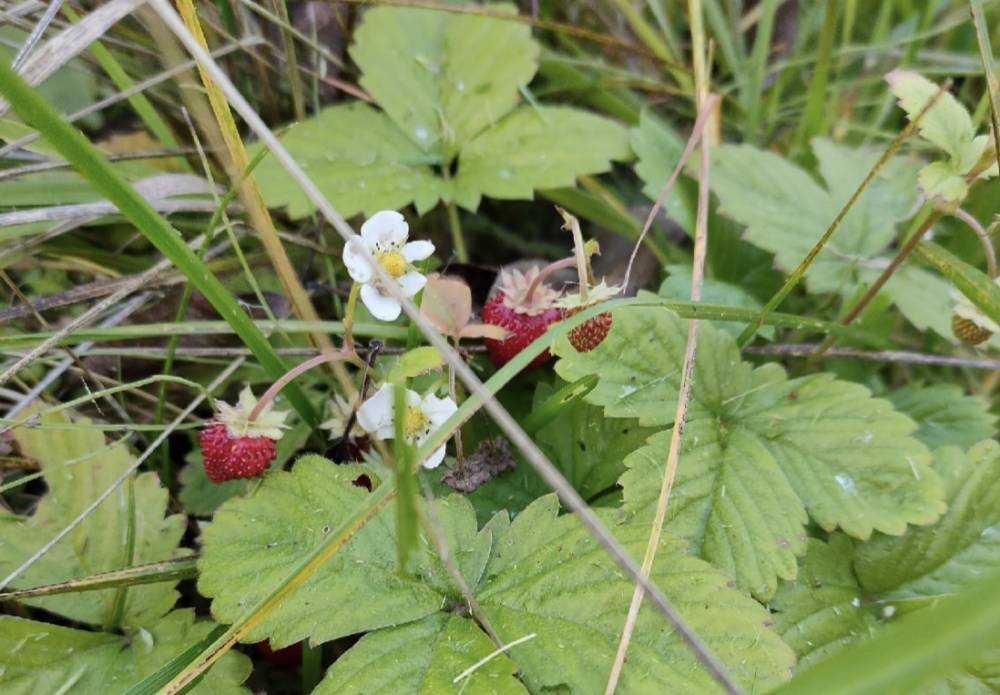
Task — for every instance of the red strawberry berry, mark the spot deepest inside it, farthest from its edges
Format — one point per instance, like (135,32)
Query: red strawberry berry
(523,312)
(588,334)
(234,446)
(228,457)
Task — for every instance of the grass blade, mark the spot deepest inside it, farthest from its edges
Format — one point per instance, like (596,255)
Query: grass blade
(151,573)
(89,162)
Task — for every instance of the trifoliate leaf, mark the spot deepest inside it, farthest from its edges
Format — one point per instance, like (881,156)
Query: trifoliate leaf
(586,446)
(443,76)
(758,448)
(40,657)
(945,415)
(821,611)
(947,124)
(252,543)
(537,147)
(962,546)
(786,211)
(359,159)
(548,577)
(79,465)
(422,657)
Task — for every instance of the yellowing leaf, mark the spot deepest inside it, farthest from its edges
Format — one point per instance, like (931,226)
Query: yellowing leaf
(79,465)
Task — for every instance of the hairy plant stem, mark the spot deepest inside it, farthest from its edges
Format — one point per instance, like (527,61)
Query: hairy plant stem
(299,369)
(545,272)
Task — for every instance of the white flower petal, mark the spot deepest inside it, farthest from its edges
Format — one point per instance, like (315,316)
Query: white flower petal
(385,229)
(358,266)
(383,307)
(417,250)
(387,432)
(411,283)
(437,409)
(412,397)
(375,414)
(435,459)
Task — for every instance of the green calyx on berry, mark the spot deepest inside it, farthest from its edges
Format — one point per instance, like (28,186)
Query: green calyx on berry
(269,423)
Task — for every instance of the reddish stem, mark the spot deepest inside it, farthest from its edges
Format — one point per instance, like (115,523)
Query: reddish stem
(545,272)
(292,373)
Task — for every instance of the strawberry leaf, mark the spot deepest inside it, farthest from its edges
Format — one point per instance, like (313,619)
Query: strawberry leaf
(537,147)
(78,465)
(44,658)
(547,576)
(946,416)
(252,542)
(359,159)
(422,657)
(586,446)
(964,545)
(443,77)
(821,611)
(760,450)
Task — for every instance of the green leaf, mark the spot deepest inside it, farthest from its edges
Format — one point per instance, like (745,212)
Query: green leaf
(443,76)
(943,181)
(677,285)
(251,543)
(359,159)
(422,657)
(824,611)
(587,447)
(658,149)
(537,147)
(947,124)
(821,612)
(79,465)
(548,577)
(961,548)
(923,297)
(415,362)
(946,416)
(760,450)
(786,211)
(40,657)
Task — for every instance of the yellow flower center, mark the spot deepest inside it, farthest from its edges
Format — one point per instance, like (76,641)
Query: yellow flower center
(393,262)
(414,421)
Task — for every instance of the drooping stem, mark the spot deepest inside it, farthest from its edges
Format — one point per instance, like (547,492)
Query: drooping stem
(294,372)
(984,239)
(573,225)
(545,272)
(352,302)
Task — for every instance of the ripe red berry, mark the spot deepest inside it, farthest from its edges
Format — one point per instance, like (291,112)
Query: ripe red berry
(588,334)
(525,318)
(522,329)
(227,457)
(239,442)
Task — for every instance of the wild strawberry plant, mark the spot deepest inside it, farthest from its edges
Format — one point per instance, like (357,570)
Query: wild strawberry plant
(813,510)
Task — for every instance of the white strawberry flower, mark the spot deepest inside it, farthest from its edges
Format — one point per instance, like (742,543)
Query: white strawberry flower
(422,417)
(384,234)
